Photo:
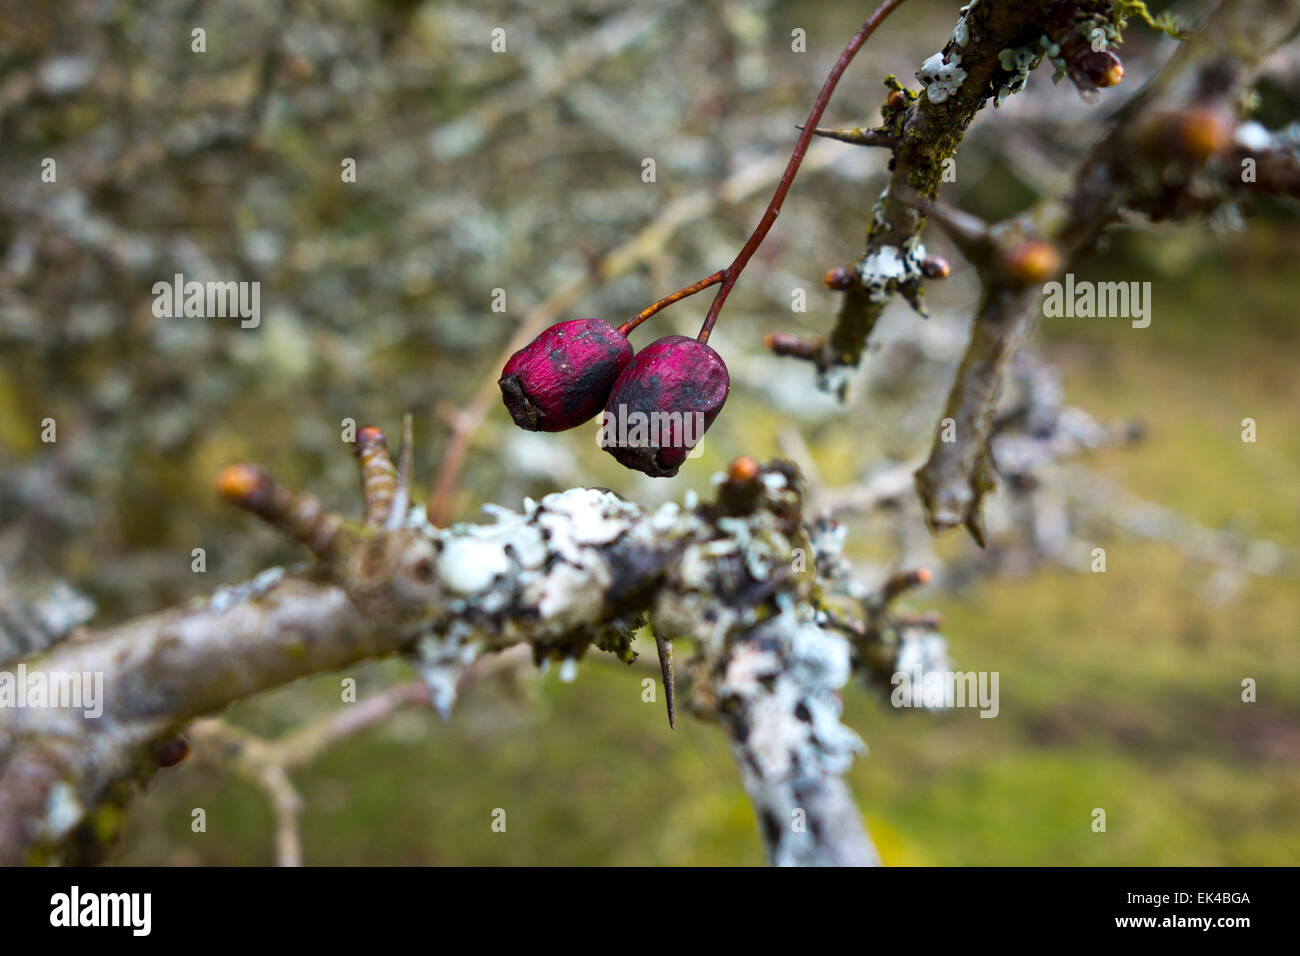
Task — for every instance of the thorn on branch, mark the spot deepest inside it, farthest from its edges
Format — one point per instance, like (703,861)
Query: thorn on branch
(402,497)
(665,650)
(861,136)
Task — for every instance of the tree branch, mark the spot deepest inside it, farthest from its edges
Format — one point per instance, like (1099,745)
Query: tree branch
(1157,158)
(580,568)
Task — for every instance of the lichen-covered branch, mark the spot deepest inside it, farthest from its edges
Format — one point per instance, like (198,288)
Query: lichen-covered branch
(1160,159)
(64,774)
(958,472)
(1174,150)
(578,569)
(925,131)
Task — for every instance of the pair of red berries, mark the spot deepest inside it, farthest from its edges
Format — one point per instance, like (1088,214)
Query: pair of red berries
(657,402)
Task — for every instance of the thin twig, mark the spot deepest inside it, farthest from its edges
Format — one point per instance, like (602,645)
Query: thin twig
(733,271)
(648,242)
(668,300)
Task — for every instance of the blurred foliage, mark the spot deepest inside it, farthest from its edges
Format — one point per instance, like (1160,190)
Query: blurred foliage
(479,171)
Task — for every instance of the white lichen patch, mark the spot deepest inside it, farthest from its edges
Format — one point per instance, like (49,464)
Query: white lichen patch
(583,517)
(63,811)
(695,568)
(818,657)
(835,379)
(230,597)
(828,538)
(666,517)
(469,565)
(728,558)
(691,608)
(758,555)
(576,525)
(553,575)
(941,79)
(528,546)
(881,272)
(417,519)
(1020,62)
(569,595)
(1253,135)
(784,676)
(879,269)
(441,659)
(878,220)
(547,566)
(961,34)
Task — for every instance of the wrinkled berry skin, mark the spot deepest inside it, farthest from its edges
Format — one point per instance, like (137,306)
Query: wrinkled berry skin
(561,378)
(668,382)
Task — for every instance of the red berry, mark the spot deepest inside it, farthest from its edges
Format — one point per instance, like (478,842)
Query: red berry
(661,405)
(561,378)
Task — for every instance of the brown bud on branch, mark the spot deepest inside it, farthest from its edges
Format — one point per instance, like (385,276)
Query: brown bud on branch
(301,516)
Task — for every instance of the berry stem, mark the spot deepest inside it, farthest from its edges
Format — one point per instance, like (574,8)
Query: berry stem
(663,303)
(733,271)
